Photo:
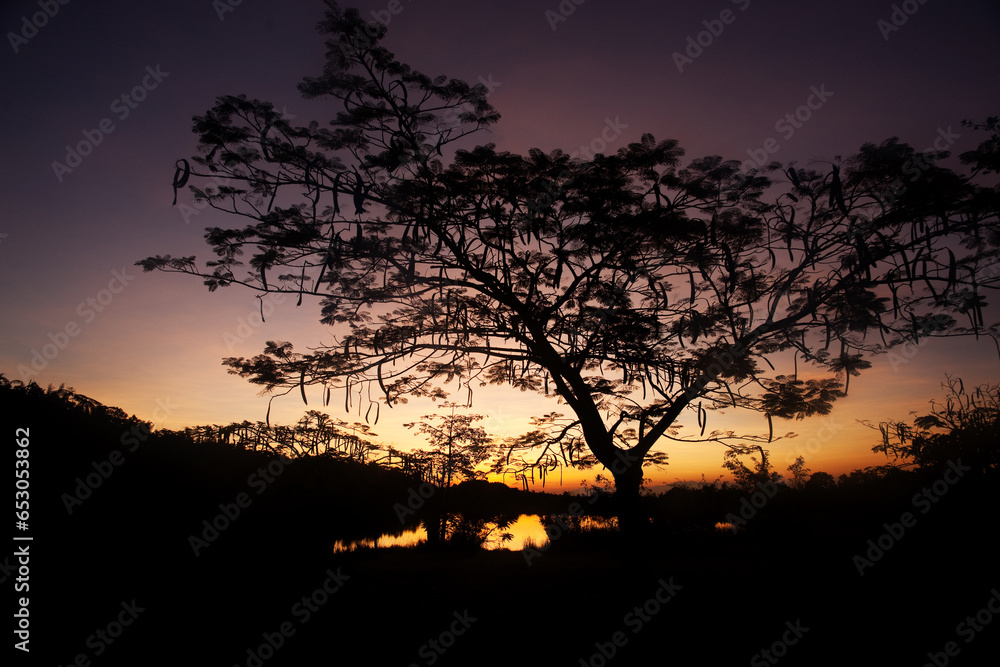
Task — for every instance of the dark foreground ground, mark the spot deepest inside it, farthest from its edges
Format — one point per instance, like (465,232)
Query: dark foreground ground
(788,584)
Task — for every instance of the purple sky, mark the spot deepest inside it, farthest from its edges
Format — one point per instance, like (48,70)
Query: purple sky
(152,343)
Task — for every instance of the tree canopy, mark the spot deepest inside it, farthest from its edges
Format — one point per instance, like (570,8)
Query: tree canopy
(631,287)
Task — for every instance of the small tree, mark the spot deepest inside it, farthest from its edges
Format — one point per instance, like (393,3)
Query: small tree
(631,287)
(800,473)
(459,446)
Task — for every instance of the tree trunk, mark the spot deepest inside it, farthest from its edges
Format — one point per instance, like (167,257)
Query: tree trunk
(435,523)
(632,517)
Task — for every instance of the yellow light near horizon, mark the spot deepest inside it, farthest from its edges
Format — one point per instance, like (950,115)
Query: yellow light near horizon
(191,381)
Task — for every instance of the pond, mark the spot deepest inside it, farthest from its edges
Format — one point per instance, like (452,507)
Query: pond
(527,530)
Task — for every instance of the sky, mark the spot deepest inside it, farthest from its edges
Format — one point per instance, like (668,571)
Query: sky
(97,101)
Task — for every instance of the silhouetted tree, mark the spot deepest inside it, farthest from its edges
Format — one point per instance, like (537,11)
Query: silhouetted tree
(458,446)
(749,477)
(820,481)
(965,426)
(800,473)
(629,286)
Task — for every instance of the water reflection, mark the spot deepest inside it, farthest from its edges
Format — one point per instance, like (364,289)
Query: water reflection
(527,530)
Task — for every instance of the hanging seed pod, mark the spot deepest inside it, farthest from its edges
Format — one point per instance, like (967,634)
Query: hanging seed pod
(182,172)
(930,286)
(274,192)
(906,265)
(793,176)
(302,283)
(381,384)
(977,307)
(263,141)
(336,193)
(730,262)
(837,192)
(359,195)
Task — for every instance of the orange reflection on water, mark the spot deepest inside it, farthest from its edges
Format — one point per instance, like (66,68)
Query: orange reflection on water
(526,530)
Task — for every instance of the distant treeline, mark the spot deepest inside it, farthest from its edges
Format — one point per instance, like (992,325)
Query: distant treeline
(317,434)
(332,475)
